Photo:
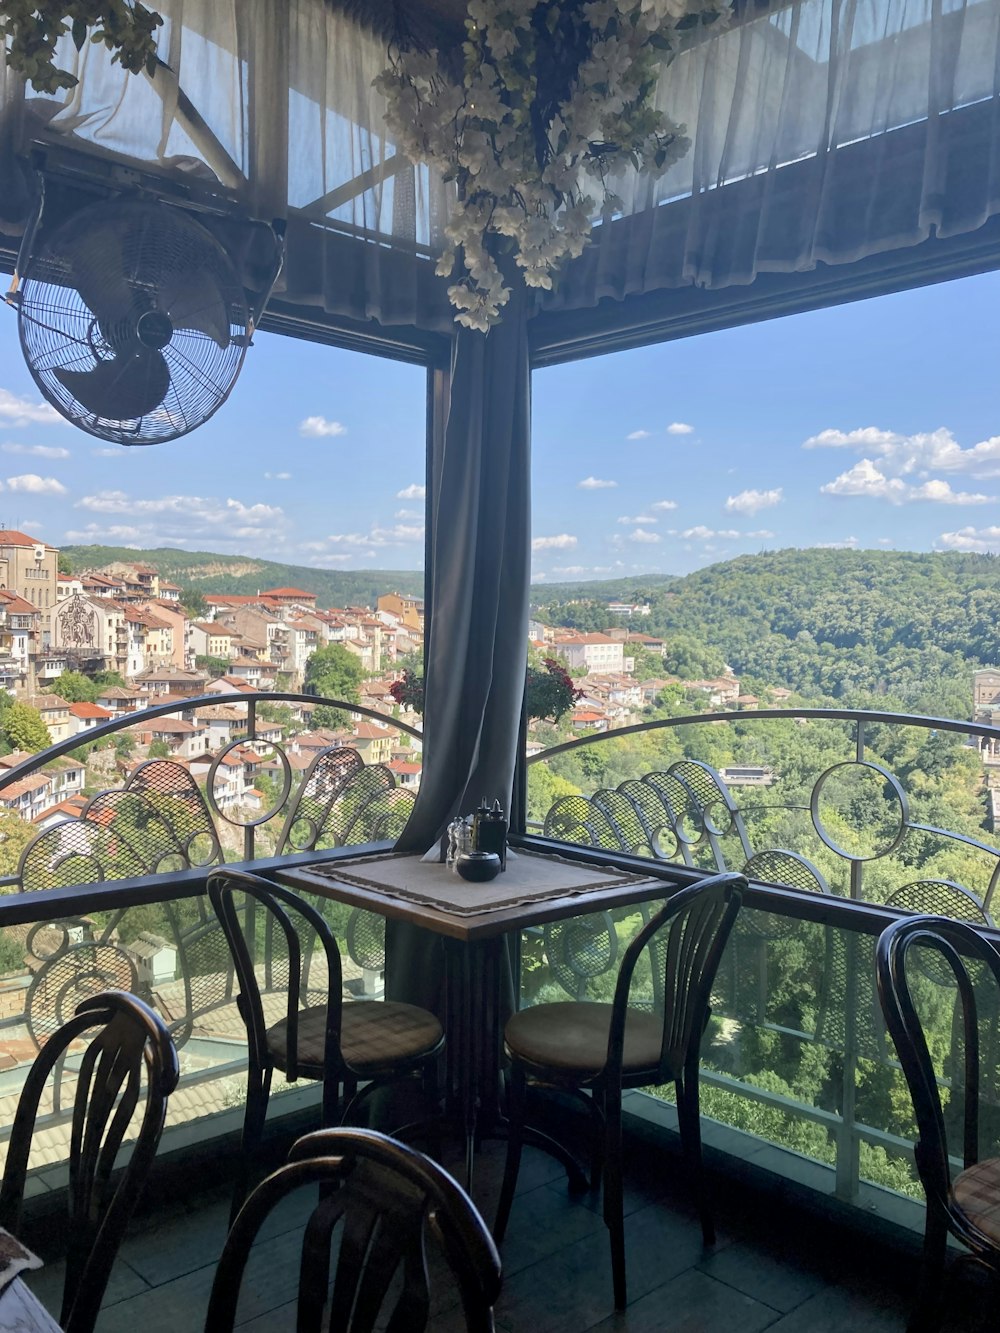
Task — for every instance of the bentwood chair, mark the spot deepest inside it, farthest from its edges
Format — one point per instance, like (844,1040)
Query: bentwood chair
(392,1209)
(597,1050)
(341,1045)
(968,1205)
(130,1040)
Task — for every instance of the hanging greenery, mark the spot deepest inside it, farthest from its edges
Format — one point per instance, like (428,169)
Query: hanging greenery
(555,101)
(30,30)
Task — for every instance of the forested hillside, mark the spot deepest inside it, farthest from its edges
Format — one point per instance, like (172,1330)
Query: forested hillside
(900,628)
(209,572)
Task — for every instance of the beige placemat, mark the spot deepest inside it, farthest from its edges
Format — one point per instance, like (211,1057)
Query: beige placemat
(529,878)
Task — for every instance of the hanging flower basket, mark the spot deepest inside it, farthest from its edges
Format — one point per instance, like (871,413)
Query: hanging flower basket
(555,100)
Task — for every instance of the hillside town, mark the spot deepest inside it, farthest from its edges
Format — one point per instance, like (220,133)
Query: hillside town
(126,627)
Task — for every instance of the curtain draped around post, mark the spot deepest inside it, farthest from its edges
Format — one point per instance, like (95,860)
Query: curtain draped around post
(478,599)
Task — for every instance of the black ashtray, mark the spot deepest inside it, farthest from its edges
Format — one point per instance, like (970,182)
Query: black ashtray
(478,867)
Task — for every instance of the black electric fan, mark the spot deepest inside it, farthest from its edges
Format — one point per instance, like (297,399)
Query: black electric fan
(133,320)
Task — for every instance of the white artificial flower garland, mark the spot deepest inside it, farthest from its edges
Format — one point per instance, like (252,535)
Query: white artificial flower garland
(556,98)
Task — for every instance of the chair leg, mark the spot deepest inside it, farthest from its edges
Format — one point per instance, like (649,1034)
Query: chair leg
(258,1091)
(689,1122)
(927,1310)
(614,1194)
(516,1108)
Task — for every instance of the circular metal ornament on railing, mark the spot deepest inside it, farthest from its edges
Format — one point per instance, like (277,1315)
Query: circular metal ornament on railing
(58,987)
(264,816)
(859,853)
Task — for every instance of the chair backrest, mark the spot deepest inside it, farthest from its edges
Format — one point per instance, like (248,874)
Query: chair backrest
(281,937)
(389,1204)
(685,941)
(130,1038)
(957,943)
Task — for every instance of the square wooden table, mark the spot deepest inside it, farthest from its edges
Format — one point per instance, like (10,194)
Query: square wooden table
(474,921)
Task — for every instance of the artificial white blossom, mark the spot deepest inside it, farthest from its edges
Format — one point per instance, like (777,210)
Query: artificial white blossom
(526,156)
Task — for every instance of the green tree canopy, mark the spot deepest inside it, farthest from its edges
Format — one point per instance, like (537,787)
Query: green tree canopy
(24,729)
(75,688)
(335,672)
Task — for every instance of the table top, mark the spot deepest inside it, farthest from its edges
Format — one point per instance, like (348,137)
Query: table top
(534,888)
(22,1312)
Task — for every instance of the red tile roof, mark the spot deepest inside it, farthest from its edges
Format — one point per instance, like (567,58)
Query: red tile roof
(11,537)
(84,710)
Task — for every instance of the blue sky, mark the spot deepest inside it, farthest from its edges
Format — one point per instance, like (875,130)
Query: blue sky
(873,425)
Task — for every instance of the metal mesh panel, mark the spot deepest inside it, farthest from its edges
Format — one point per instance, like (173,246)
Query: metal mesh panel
(135,821)
(358,805)
(76,851)
(791,871)
(579,949)
(173,793)
(575,819)
(624,819)
(59,986)
(366,939)
(325,779)
(384,809)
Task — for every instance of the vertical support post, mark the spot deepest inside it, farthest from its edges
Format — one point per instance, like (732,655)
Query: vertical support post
(848,1143)
(249,841)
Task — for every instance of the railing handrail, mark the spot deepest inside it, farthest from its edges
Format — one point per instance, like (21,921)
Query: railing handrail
(823,714)
(60,748)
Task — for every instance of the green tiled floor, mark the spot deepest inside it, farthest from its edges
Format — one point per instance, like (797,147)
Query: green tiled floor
(773,1267)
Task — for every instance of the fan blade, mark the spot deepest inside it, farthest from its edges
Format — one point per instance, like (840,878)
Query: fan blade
(192,299)
(97,271)
(122,388)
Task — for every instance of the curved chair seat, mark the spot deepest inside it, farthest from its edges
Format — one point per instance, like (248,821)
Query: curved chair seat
(976,1190)
(273,936)
(569,1039)
(374,1037)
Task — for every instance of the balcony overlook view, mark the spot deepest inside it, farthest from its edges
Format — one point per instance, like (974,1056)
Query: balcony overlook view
(538,689)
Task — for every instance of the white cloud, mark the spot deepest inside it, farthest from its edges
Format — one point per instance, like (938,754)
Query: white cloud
(16,411)
(642,536)
(865,479)
(574,571)
(761,534)
(664,504)
(400,534)
(194,521)
(749,502)
(639,518)
(33,484)
(408,513)
(561,543)
(277,476)
(940,492)
(107,452)
(595,484)
(414,492)
(886,541)
(700,533)
(315,428)
(972,539)
(900,455)
(638,435)
(118,533)
(848,544)
(35,450)
(679,428)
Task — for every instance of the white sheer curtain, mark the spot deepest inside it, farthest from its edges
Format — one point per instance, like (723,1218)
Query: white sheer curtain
(825,131)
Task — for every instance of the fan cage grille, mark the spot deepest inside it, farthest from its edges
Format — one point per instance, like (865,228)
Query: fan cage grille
(84,296)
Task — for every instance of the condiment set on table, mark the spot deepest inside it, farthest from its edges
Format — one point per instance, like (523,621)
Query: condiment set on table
(476,846)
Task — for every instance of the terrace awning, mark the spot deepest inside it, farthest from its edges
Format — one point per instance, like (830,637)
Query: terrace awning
(828,137)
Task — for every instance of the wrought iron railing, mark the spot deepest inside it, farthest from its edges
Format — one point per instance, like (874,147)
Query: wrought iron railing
(798,1053)
(113,897)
